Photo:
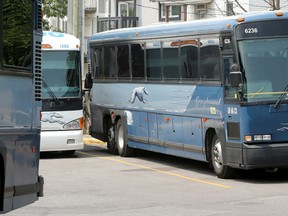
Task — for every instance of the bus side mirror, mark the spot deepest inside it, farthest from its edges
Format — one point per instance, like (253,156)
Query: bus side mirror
(88,81)
(235,78)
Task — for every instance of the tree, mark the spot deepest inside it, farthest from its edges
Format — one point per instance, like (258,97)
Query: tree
(275,4)
(54,8)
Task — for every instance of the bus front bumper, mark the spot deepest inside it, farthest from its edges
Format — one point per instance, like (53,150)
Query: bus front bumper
(61,140)
(272,155)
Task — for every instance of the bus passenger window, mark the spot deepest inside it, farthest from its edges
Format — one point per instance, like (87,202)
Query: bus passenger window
(137,55)
(96,68)
(210,62)
(153,63)
(123,61)
(229,66)
(189,62)
(110,62)
(170,63)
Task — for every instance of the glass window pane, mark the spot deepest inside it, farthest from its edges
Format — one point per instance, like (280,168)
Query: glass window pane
(174,10)
(262,64)
(123,61)
(137,55)
(96,66)
(210,59)
(17,33)
(61,73)
(170,63)
(189,59)
(153,63)
(110,62)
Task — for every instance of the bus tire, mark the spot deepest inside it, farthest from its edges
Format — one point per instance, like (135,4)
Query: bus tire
(110,137)
(121,141)
(221,170)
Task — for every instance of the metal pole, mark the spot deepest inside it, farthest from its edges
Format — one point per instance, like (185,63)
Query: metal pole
(82,38)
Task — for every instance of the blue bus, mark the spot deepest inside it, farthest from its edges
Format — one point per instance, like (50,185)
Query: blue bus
(20,107)
(209,90)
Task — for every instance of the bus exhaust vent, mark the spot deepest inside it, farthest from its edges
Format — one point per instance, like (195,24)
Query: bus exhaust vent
(38,71)
(233,130)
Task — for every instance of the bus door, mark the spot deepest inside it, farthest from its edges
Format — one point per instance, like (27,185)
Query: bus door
(231,108)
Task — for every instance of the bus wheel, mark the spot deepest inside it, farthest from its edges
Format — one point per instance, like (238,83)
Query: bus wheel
(221,170)
(123,149)
(110,136)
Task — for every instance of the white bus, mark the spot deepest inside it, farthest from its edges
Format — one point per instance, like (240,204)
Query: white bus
(62,112)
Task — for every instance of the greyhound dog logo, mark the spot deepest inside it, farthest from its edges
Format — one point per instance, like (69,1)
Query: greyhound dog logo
(284,128)
(53,118)
(139,93)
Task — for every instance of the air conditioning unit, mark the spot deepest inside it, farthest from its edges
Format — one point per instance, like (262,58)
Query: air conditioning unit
(200,7)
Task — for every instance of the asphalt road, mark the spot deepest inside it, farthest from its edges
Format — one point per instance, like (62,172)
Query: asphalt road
(93,182)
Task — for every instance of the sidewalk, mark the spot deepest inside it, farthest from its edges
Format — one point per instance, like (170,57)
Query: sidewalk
(88,139)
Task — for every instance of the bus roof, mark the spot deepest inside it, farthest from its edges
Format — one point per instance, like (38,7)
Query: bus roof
(59,41)
(184,28)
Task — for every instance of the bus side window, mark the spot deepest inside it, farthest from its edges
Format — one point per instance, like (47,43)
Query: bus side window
(137,57)
(189,62)
(110,62)
(210,62)
(153,63)
(170,63)
(96,62)
(123,61)
(228,62)
(17,35)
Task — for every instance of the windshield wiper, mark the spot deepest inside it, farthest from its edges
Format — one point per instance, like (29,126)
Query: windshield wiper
(281,97)
(50,92)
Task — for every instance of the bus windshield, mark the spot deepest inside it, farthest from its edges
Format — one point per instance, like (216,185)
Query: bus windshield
(61,73)
(264,67)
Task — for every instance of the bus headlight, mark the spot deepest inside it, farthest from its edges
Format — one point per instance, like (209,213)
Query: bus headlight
(258,137)
(76,124)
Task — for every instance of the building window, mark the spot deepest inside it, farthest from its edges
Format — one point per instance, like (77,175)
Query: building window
(125,8)
(174,12)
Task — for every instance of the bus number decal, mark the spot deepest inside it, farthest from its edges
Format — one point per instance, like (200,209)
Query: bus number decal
(251,30)
(232,110)
(157,44)
(64,46)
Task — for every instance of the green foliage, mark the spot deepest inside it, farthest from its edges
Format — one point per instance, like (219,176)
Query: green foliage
(17,31)
(54,8)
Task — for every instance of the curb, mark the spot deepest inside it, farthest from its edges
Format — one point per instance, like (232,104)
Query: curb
(87,139)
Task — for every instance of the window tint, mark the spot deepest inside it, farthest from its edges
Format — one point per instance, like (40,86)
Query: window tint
(137,55)
(228,62)
(189,61)
(96,66)
(110,64)
(170,63)
(123,61)
(153,63)
(17,33)
(210,59)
